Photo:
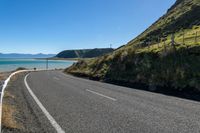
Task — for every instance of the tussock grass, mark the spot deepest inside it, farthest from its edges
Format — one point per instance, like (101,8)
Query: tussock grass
(8,119)
(9,113)
(150,58)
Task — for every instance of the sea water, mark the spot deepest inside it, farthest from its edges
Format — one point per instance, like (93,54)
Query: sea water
(13,64)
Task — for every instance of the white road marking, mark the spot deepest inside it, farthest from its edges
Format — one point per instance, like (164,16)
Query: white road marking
(3,90)
(113,99)
(49,117)
(56,78)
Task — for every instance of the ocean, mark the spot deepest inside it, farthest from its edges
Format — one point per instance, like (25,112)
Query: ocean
(13,64)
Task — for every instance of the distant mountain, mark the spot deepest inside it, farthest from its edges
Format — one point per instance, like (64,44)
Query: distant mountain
(16,55)
(84,53)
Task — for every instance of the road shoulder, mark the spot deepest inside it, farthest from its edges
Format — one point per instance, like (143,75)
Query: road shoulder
(24,113)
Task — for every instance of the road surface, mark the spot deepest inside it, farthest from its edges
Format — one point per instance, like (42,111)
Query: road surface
(84,106)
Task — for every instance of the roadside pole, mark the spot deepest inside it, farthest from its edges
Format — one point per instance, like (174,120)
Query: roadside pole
(47,64)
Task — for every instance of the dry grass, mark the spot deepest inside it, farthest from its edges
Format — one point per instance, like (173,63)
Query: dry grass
(8,119)
(8,113)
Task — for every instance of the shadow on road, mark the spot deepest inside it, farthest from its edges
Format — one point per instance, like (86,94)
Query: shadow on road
(186,93)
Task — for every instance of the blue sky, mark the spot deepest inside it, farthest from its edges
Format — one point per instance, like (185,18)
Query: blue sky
(50,26)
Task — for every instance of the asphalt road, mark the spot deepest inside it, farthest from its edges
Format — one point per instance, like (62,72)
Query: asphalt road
(83,106)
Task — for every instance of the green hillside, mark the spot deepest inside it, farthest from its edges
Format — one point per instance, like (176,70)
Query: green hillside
(167,54)
(84,53)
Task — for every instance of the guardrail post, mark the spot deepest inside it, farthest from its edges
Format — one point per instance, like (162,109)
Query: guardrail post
(196,37)
(148,43)
(183,37)
(173,42)
(165,47)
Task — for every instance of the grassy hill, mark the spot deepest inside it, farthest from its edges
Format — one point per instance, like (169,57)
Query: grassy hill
(167,54)
(84,53)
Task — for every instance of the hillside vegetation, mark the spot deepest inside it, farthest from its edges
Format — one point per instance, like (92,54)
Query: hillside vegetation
(167,54)
(84,53)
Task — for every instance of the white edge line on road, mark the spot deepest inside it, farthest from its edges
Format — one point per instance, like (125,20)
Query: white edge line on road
(49,117)
(3,90)
(113,99)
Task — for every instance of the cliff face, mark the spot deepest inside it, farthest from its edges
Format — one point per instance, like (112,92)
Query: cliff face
(150,58)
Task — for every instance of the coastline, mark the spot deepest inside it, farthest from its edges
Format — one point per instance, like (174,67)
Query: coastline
(61,59)
(9,65)
(5,74)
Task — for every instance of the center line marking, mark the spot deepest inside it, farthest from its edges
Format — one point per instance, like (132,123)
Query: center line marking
(49,117)
(101,95)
